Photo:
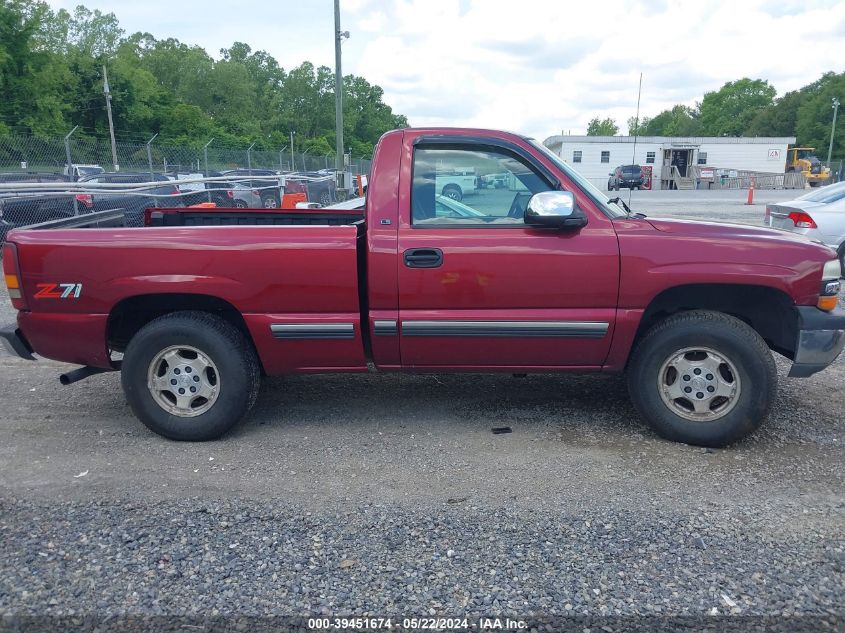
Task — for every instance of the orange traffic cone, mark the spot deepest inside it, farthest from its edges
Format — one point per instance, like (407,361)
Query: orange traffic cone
(750,193)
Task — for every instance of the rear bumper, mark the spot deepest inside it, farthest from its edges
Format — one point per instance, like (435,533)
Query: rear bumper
(14,343)
(820,340)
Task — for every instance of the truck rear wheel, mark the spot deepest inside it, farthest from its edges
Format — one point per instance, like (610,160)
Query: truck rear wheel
(703,378)
(190,376)
(454,192)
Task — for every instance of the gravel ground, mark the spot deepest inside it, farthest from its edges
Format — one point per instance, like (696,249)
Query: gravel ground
(389,495)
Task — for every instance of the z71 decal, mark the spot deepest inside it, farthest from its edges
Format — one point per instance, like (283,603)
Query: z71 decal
(58,291)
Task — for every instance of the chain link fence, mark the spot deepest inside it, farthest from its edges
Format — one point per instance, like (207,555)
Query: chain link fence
(52,179)
(837,170)
(22,154)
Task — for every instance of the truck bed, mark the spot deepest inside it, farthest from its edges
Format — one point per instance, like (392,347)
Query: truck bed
(278,278)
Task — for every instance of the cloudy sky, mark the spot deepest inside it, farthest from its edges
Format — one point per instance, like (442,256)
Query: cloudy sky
(533,66)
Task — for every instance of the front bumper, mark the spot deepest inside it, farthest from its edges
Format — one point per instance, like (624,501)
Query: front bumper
(821,338)
(13,341)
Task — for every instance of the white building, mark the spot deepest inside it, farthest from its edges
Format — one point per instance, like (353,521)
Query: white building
(700,157)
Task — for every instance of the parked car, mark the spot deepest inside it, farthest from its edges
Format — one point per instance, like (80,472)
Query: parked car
(455,185)
(20,208)
(691,311)
(626,177)
(819,215)
(220,192)
(317,186)
(77,172)
(269,190)
(496,181)
(247,198)
(133,203)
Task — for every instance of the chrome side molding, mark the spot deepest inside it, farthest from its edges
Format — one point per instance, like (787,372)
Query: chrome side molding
(572,329)
(299,331)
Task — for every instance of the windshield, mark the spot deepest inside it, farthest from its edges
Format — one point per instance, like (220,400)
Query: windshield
(88,171)
(613,210)
(830,193)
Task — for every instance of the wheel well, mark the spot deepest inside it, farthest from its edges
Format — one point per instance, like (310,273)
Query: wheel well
(769,311)
(131,314)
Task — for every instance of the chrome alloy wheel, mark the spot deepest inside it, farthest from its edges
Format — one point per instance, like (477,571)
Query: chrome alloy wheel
(699,384)
(183,381)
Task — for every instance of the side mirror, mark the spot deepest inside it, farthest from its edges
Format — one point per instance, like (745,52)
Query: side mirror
(554,209)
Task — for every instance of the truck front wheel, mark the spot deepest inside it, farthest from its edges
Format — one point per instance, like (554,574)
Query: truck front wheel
(190,376)
(703,378)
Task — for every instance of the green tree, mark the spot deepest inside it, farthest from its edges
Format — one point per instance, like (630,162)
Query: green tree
(815,116)
(681,120)
(605,127)
(51,77)
(730,110)
(780,118)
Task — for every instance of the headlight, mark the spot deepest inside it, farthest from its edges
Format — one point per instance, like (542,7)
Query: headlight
(829,295)
(832,270)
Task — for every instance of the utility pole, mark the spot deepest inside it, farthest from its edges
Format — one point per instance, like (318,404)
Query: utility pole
(832,130)
(111,123)
(339,36)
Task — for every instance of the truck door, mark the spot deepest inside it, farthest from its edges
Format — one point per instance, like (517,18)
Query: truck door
(480,288)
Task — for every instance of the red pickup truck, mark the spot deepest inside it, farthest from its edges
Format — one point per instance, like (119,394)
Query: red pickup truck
(545,275)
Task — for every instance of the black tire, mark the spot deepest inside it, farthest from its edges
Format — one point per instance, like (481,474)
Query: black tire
(240,204)
(730,338)
(270,202)
(235,363)
(454,192)
(325,198)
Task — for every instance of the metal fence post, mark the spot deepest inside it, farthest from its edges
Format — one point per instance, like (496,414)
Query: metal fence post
(249,158)
(150,154)
(70,167)
(205,155)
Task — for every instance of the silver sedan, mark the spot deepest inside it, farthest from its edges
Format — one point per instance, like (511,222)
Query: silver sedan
(246,198)
(820,215)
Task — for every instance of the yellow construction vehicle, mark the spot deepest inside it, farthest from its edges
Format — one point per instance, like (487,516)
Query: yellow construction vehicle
(804,160)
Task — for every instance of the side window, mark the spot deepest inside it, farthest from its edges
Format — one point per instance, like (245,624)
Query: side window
(576,156)
(649,157)
(464,185)
(702,158)
(605,157)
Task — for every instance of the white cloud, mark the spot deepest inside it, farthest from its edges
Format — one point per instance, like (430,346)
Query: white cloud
(540,66)
(535,66)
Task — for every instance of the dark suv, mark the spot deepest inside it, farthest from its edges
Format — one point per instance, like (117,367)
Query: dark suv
(625,176)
